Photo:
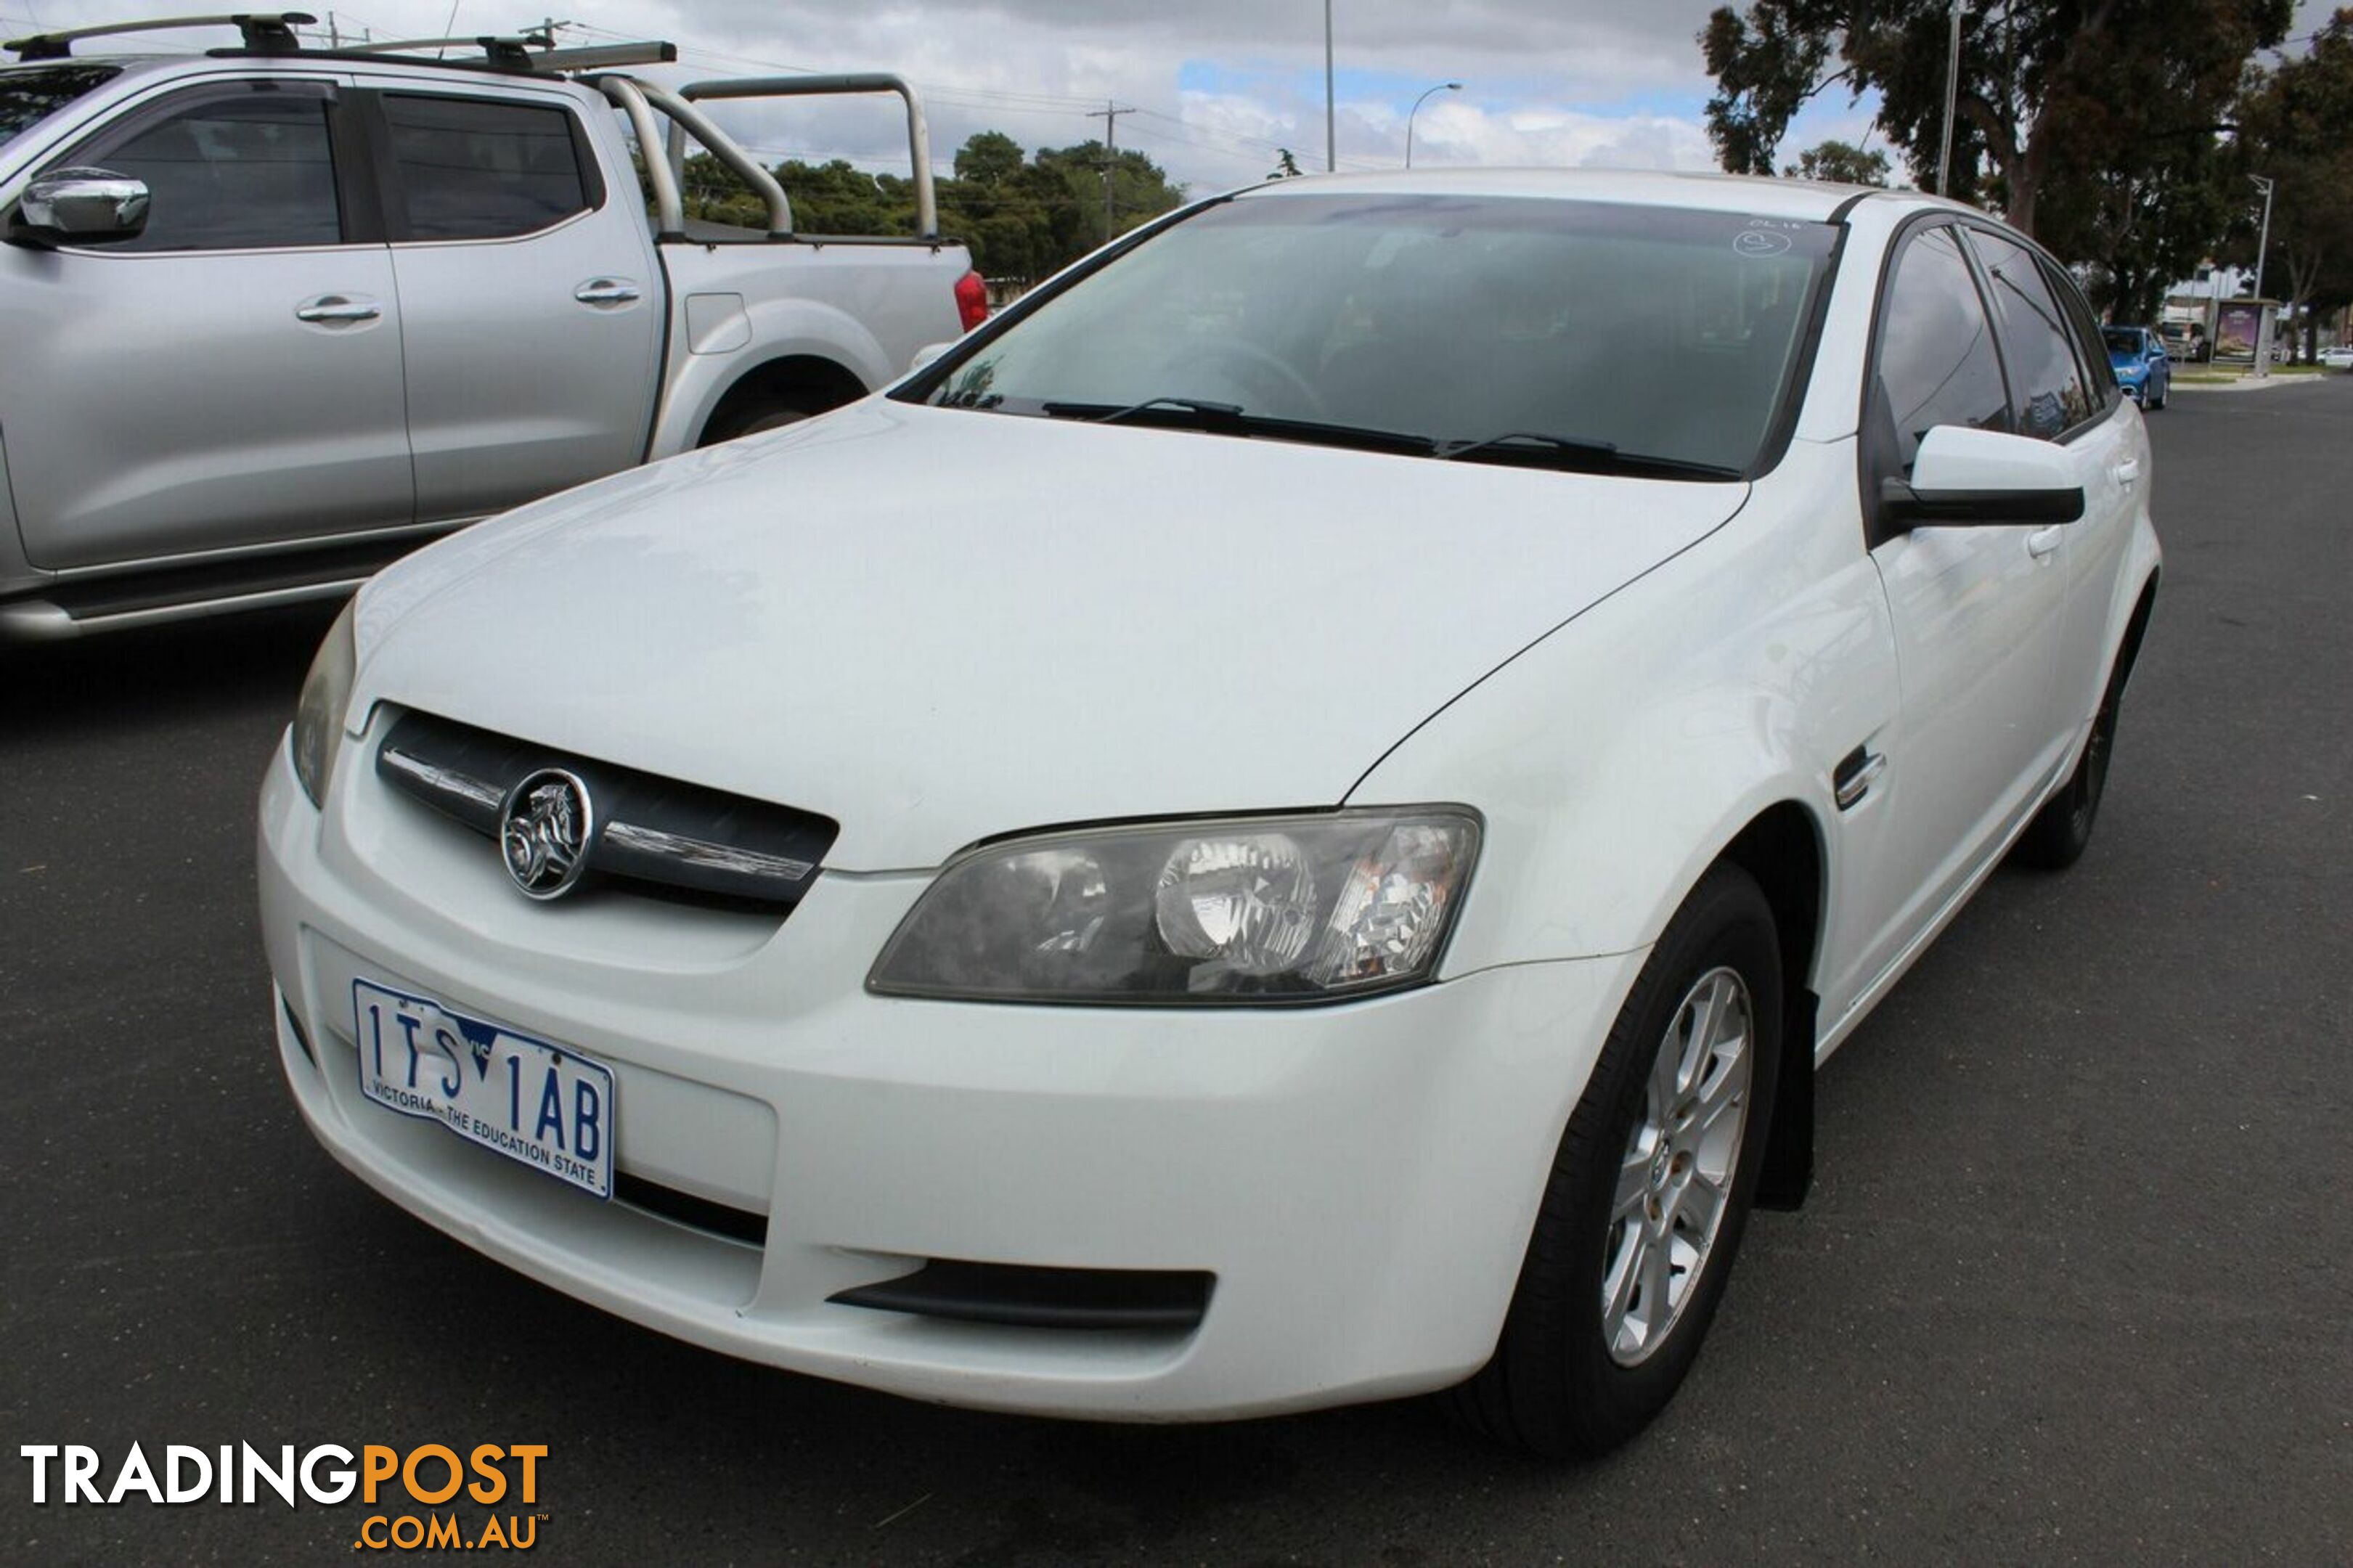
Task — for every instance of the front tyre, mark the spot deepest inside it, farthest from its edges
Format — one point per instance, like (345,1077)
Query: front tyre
(1650,1191)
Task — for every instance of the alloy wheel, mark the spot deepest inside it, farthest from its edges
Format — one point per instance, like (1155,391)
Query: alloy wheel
(1674,1180)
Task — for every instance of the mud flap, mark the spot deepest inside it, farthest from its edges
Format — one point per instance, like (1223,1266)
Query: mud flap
(1789,1170)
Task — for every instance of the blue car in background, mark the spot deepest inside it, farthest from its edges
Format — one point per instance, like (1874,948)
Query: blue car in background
(2142,367)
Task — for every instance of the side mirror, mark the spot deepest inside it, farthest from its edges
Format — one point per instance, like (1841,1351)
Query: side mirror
(85,207)
(927,353)
(1964,478)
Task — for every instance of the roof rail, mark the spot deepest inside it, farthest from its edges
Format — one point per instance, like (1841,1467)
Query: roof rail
(265,33)
(272,33)
(527,53)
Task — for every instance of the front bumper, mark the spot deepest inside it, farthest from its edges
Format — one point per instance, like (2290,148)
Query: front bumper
(1361,1180)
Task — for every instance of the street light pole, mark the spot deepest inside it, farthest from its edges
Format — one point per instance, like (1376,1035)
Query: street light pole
(2263,244)
(2262,339)
(1331,138)
(1952,96)
(1441,87)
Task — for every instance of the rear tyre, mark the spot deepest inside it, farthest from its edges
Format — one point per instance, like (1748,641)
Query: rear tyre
(1650,1190)
(2061,830)
(770,413)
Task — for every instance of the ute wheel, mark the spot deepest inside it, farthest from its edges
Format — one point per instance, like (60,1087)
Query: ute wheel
(770,413)
(1650,1190)
(2061,830)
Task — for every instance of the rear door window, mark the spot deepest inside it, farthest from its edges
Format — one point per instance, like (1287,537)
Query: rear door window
(2053,395)
(2099,370)
(1936,360)
(471,168)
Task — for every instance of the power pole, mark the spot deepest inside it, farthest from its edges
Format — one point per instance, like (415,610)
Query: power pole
(1109,114)
(1331,137)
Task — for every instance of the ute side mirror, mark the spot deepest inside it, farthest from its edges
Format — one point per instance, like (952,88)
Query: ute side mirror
(79,206)
(1964,478)
(926,354)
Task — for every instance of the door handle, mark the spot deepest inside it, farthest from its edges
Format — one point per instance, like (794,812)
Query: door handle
(2043,541)
(337,308)
(605,292)
(2128,471)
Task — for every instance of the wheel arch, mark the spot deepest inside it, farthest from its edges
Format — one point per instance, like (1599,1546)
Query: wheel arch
(787,378)
(2136,627)
(1783,849)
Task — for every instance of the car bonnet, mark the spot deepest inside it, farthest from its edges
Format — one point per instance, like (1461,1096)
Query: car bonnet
(936,625)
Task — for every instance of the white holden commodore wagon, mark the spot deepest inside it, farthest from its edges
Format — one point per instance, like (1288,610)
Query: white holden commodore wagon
(1286,823)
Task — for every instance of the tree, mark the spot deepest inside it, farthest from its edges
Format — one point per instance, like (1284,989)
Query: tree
(1840,163)
(1022,216)
(2141,223)
(989,158)
(1286,167)
(2293,130)
(2050,89)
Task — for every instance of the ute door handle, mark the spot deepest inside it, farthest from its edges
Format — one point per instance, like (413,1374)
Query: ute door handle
(605,292)
(2127,472)
(2043,541)
(337,308)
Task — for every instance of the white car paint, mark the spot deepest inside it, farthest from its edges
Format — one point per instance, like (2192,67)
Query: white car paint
(940,626)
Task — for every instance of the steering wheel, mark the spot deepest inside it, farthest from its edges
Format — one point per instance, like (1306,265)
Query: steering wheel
(1235,360)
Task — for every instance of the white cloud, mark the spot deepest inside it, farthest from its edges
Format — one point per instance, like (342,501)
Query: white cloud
(1568,83)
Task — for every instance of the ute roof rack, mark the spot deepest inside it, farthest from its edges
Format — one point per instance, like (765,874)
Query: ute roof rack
(272,33)
(265,33)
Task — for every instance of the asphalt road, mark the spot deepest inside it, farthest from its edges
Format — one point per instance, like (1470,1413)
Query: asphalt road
(2074,1285)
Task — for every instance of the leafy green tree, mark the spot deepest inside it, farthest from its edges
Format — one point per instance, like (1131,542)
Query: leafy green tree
(1022,216)
(1139,190)
(1840,163)
(990,159)
(2050,89)
(2142,222)
(2295,129)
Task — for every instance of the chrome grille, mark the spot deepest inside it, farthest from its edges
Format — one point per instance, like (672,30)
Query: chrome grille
(654,834)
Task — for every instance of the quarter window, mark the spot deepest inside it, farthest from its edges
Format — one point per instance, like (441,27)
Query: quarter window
(2053,397)
(474,170)
(1936,359)
(233,174)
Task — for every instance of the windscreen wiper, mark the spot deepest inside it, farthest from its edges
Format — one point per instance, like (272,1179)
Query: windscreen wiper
(1229,419)
(1111,414)
(1582,453)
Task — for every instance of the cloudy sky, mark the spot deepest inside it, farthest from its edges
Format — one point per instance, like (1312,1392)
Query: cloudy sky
(1216,86)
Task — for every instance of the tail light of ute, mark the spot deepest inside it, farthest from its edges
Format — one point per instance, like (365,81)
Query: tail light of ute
(972,299)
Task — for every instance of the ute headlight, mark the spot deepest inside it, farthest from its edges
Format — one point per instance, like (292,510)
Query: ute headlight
(318,715)
(1254,911)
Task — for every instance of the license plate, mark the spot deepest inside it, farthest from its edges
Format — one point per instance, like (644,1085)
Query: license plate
(540,1104)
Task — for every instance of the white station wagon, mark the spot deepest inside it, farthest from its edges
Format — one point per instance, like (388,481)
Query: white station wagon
(1287,823)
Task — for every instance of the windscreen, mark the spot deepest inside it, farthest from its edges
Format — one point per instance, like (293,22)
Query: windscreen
(1665,332)
(2121,339)
(31,94)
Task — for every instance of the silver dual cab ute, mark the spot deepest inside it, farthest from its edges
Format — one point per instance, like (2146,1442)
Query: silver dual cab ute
(271,315)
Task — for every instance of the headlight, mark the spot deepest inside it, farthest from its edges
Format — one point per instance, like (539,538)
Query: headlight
(318,716)
(1252,911)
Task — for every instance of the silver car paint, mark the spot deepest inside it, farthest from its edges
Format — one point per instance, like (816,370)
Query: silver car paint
(168,408)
